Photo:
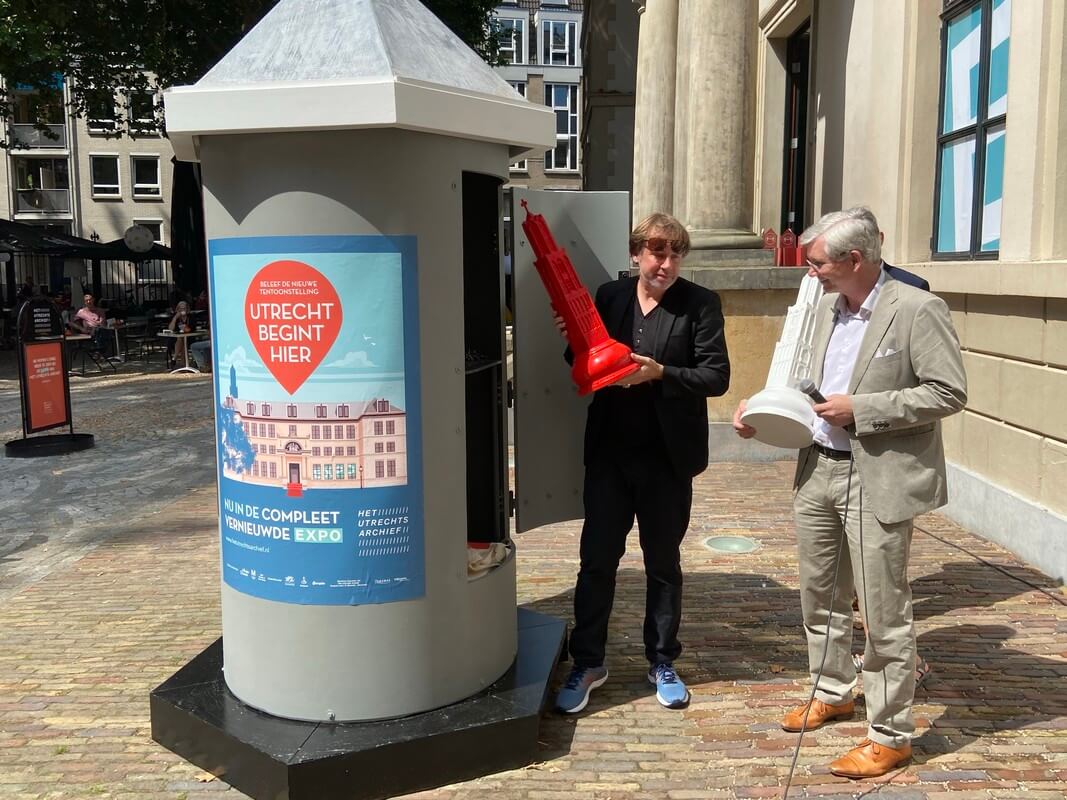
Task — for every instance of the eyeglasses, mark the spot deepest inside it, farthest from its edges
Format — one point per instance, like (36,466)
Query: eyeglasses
(665,247)
(814,264)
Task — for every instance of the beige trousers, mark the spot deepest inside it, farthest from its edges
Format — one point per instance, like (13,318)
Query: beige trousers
(874,561)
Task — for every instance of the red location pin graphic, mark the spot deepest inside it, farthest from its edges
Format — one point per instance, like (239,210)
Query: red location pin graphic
(293,316)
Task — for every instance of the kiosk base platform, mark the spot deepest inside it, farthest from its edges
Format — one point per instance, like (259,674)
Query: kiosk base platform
(54,444)
(267,757)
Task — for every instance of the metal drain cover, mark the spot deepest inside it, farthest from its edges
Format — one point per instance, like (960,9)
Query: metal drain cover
(731,544)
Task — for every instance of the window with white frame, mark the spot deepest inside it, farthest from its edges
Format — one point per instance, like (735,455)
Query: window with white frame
(100,113)
(562,98)
(104,172)
(559,43)
(156,226)
(520,87)
(975,42)
(146,181)
(511,35)
(141,109)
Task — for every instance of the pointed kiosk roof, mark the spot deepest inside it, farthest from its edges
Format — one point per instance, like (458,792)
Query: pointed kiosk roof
(347,64)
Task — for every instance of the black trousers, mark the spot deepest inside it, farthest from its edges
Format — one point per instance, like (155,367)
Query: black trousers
(616,491)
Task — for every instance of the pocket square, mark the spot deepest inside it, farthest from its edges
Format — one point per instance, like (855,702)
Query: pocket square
(889,351)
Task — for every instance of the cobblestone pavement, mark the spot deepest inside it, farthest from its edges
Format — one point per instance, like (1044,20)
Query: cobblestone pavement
(114,584)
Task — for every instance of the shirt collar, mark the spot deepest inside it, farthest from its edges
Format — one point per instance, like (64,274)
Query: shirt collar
(867,308)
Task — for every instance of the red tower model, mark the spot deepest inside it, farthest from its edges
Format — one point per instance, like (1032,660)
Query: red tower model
(599,360)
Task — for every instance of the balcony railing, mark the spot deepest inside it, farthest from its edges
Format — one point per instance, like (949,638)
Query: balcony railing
(26,135)
(55,201)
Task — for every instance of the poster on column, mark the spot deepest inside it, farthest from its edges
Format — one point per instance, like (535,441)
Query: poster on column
(318,423)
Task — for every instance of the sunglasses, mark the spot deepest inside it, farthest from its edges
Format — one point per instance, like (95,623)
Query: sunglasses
(664,247)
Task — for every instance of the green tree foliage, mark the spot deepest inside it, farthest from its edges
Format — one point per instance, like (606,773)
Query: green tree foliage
(142,46)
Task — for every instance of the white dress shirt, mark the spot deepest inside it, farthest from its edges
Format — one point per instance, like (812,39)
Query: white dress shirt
(841,353)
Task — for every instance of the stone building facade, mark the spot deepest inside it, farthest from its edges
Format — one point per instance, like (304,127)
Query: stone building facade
(89,176)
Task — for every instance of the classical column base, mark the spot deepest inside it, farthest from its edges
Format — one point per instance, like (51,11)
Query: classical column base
(724,239)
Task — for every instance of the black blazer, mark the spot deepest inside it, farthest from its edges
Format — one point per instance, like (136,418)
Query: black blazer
(691,346)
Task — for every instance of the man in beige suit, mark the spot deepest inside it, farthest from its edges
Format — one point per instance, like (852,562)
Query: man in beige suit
(887,360)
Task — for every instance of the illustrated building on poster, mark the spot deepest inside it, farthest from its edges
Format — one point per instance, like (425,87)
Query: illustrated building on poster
(323,445)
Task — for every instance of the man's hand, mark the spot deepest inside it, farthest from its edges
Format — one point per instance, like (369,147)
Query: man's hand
(561,325)
(742,430)
(650,370)
(837,410)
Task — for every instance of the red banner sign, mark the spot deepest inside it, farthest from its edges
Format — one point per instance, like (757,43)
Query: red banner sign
(45,385)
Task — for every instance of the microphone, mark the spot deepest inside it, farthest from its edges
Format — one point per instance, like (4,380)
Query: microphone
(807,386)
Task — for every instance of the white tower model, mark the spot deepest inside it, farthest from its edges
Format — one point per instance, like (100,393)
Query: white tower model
(781,413)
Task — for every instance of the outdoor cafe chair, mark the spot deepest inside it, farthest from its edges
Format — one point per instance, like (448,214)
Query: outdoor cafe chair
(83,350)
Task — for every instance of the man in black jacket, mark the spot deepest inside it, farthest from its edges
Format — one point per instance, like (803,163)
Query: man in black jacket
(646,438)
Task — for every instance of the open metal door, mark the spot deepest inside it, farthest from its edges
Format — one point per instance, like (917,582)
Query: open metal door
(594,227)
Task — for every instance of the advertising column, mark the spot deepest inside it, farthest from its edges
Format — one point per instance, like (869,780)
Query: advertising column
(318,418)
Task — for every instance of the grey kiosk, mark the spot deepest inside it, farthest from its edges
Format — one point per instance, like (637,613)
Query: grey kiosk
(353,154)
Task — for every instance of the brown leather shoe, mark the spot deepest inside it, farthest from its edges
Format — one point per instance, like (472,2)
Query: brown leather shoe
(870,760)
(820,714)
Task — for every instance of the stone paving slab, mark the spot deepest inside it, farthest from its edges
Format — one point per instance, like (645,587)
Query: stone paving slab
(132,596)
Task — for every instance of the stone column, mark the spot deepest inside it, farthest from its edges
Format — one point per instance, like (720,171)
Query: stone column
(654,108)
(715,122)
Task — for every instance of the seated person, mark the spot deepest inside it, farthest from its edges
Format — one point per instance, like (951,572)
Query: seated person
(92,319)
(181,322)
(200,353)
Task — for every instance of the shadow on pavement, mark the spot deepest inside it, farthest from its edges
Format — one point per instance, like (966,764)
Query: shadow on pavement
(746,629)
(962,585)
(988,687)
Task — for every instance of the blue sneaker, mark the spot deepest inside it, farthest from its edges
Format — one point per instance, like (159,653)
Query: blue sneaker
(670,691)
(574,694)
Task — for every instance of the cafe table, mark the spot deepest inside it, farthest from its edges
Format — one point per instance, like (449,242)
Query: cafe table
(168,334)
(118,346)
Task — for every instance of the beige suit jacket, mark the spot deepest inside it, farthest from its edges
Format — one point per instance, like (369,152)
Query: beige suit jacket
(908,375)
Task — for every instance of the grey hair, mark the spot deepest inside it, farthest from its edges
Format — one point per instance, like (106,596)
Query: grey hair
(843,231)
